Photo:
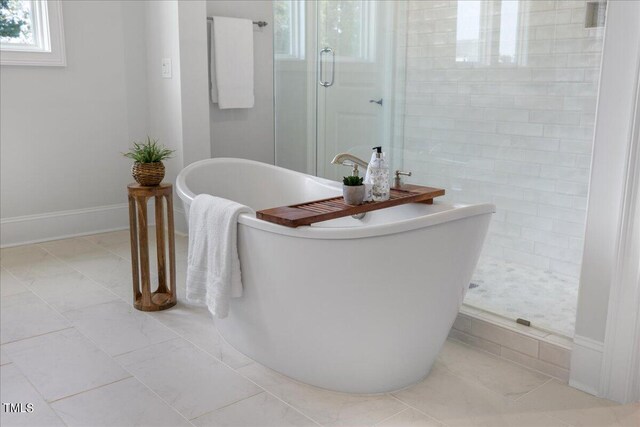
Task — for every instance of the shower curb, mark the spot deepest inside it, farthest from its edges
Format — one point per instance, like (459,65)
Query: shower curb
(534,348)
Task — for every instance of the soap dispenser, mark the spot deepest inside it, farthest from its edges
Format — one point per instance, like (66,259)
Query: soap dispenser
(378,176)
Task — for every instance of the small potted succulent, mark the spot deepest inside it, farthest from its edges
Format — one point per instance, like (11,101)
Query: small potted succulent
(148,169)
(353,190)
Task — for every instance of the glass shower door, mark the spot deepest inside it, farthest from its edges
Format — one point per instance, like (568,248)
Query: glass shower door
(351,81)
(334,77)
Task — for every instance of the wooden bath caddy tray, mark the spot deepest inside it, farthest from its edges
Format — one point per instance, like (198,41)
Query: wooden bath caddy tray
(335,207)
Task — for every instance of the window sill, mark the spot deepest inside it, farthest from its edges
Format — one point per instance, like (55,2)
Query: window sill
(47,59)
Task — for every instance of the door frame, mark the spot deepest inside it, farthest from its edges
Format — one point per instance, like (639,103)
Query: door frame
(311,40)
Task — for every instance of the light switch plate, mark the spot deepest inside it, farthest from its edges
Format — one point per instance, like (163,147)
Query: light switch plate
(166,68)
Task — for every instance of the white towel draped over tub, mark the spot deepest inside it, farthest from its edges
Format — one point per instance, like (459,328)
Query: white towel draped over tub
(213,271)
(231,68)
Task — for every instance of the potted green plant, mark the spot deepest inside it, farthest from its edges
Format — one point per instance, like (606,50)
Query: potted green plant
(148,168)
(353,190)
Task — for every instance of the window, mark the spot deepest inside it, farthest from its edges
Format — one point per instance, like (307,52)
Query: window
(288,29)
(468,31)
(31,32)
(348,26)
(480,22)
(508,31)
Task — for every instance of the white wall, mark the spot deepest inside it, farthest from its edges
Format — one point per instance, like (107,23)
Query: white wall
(616,106)
(602,284)
(63,128)
(164,94)
(248,133)
(194,80)
(178,110)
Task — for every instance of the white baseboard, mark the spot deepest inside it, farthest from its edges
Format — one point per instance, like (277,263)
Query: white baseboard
(27,229)
(586,364)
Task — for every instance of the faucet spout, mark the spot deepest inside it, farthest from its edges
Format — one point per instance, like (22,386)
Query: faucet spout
(346,159)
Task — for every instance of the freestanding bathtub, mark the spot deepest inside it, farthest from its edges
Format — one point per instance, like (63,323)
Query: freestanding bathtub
(349,305)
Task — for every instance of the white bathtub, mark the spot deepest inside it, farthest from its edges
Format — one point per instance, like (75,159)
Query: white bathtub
(349,305)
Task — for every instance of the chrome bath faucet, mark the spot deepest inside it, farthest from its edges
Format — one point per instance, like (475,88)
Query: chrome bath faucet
(346,159)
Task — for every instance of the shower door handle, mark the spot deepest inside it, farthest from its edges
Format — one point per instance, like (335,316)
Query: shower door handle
(325,83)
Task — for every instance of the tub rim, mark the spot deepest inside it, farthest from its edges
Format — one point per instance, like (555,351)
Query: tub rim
(452,212)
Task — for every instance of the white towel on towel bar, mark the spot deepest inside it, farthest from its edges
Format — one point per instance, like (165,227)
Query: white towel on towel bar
(213,265)
(231,69)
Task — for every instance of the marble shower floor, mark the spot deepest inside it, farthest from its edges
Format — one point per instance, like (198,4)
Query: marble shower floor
(548,300)
(72,345)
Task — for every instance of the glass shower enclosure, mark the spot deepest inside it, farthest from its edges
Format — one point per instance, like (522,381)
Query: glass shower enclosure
(493,100)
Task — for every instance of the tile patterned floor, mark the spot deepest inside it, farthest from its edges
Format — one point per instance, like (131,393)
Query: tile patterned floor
(73,346)
(547,299)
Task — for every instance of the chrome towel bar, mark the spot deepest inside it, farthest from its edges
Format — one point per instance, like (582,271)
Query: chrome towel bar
(258,23)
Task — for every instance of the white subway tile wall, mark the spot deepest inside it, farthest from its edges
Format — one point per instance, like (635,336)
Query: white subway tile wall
(500,105)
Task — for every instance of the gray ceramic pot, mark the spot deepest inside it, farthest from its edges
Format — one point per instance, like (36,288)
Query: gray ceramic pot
(353,194)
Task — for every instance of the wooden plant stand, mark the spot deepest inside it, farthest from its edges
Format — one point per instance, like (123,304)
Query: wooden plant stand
(165,296)
(322,210)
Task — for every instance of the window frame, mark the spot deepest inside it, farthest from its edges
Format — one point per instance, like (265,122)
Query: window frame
(368,40)
(49,51)
(484,39)
(297,36)
(368,33)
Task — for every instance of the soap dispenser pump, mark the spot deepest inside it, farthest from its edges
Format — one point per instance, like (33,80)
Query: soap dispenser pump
(378,176)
